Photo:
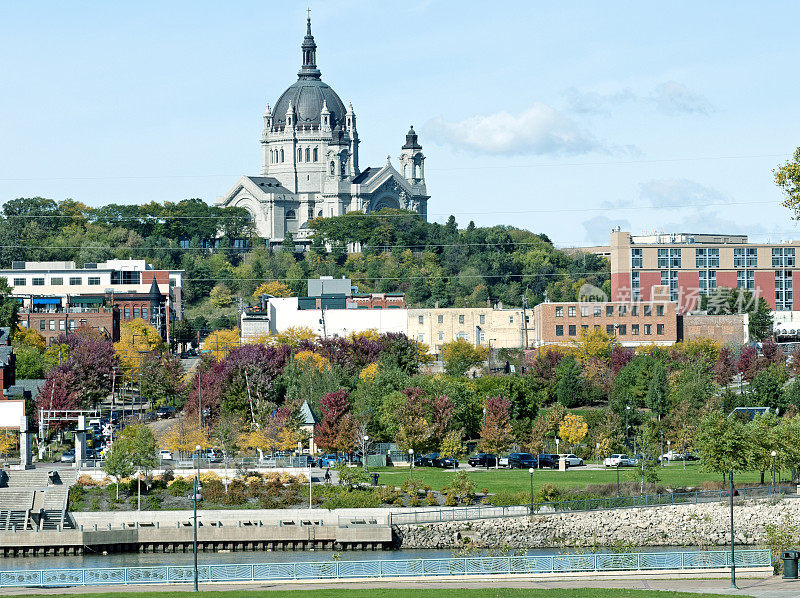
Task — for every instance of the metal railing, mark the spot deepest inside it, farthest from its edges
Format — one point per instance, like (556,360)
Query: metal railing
(332,570)
(584,504)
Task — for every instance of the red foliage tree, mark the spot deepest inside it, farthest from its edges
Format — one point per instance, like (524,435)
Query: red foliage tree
(496,432)
(725,367)
(748,362)
(337,431)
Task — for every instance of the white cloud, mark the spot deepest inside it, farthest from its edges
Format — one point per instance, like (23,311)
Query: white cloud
(539,130)
(592,102)
(673,98)
(676,193)
(598,229)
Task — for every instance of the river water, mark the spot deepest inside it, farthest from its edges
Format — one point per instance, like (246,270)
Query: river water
(221,558)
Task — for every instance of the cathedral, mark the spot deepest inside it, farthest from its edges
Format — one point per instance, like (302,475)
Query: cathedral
(309,163)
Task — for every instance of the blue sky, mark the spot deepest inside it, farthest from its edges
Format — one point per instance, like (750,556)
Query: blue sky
(563,118)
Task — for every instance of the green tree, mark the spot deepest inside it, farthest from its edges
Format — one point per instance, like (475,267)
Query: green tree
(496,432)
(221,296)
(657,389)
(30,363)
(461,355)
(767,387)
(725,444)
(569,387)
(9,306)
(762,431)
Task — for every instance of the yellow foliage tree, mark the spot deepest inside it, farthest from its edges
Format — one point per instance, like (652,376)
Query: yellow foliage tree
(293,335)
(30,337)
(371,335)
(592,342)
(701,348)
(572,429)
(274,288)
(220,342)
(311,360)
(183,436)
(8,442)
(135,338)
(369,373)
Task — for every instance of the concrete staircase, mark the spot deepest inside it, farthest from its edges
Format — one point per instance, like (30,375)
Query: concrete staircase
(35,498)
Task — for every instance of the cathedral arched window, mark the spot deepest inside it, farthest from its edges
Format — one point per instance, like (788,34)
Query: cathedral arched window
(319,214)
(308,155)
(290,215)
(333,168)
(281,155)
(405,171)
(315,154)
(344,166)
(299,154)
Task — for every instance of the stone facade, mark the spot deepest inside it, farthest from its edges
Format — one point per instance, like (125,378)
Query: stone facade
(730,329)
(310,163)
(683,525)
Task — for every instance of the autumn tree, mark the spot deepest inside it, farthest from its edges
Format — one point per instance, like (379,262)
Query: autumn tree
(725,367)
(337,430)
(136,338)
(572,429)
(218,344)
(461,355)
(220,296)
(451,445)
(183,436)
(274,288)
(496,433)
(787,177)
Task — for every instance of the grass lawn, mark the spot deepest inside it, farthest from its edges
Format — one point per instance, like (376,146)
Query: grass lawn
(516,480)
(425,593)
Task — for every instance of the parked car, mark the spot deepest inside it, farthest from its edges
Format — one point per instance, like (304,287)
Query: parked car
(521,461)
(617,460)
(166,412)
(426,460)
(572,459)
(331,460)
(482,460)
(548,460)
(68,456)
(165,455)
(446,463)
(503,461)
(211,455)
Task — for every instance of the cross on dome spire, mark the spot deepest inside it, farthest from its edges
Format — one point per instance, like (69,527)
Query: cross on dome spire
(309,69)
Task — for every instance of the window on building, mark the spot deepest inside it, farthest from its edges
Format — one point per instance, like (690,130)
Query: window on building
(127,313)
(739,260)
(61,325)
(441,335)
(663,258)
(463,336)
(659,310)
(636,290)
(609,329)
(510,319)
(636,258)
(559,330)
(440,319)
(746,279)
(57,281)
(584,310)
(37,282)
(83,323)
(783,290)
(713,257)
(648,329)
(144,313)
(315,155)
(421,338)
(559,312)
(648,310)
(623,310)
(52,325)
(482,318)
(597,311)
(461,319)
(783,257)
(126,277)
(660,329)
(572,330)
(421,319)
(707,281)
(72,325)
(635,329)
(135,312)
(635,310)
(675,258)
(299,154)
(571,311)
(42,325)
(584,327)
(94,281)
(622,330)
(308,155)
(752,257)
(75,280)
(701,258)
(669,278)
(19,282)
(609,310)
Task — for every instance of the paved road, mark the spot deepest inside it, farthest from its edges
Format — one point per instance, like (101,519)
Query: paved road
(769,587)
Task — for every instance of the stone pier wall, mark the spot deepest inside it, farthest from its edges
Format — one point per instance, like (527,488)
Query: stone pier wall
(696,525)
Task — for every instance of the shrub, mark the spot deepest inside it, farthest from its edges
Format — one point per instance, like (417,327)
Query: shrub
(236,495)
(505,498)
(180,487)
(386,494)
(86,481)
(450,501)
(430,500)
(75,500)
(153,502)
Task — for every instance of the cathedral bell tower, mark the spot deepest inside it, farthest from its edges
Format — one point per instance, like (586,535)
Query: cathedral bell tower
(412,160)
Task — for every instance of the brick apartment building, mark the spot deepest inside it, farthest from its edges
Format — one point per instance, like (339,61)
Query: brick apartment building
(689,266)
(633,323)
(50,318)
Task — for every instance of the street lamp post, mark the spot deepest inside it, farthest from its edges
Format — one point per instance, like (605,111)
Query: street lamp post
(668,448)
(558,440)
(597,452)
(194,503)
(411,464)
(774,454)
(733,554)
(364,452)
(627,411)
(618,464)
(530,471)
(661,459)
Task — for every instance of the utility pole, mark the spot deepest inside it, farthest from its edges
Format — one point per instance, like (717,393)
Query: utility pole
(525,319)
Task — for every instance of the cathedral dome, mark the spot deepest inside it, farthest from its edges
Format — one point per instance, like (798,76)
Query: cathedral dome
(307,96)
(309,93)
